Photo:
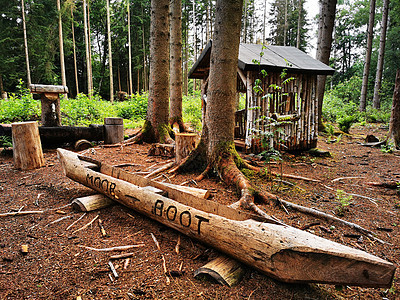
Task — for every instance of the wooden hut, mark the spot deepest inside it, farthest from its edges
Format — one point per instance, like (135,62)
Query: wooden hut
(283,105)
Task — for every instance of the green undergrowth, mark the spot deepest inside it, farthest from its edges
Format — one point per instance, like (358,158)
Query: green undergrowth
(84,110)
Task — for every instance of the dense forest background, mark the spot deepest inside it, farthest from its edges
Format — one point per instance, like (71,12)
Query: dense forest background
(279,22)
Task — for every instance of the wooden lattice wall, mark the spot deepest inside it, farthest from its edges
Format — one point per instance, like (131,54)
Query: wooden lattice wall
(292,106)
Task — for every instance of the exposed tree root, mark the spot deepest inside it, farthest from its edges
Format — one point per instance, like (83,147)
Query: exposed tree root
(227,169)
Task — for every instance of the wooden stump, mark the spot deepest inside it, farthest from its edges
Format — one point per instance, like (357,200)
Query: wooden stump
(28,152)
(184,143)
(113,130)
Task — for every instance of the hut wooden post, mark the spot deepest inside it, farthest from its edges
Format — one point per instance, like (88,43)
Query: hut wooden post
(27,152)
(184,144)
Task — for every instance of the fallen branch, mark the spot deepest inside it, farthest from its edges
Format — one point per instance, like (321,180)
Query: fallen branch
(163,258)
(388,184)
(87,225)
(343,178)
(321,215)
(295,177)
(161,169)
(21,213)
(117,248)
(356,195)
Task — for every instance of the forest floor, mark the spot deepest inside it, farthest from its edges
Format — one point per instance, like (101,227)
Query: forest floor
(56,267)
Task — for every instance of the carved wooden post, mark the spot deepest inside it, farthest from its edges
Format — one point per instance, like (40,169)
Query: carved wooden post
(50,102)
(184,144)
(113,130)
(27,147)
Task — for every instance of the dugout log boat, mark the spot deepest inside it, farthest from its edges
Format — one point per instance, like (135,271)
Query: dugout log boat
(278,250)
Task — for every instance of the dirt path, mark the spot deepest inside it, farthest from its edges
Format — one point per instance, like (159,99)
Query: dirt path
(56,267)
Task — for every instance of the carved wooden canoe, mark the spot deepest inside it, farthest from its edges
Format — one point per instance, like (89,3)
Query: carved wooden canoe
(280,251)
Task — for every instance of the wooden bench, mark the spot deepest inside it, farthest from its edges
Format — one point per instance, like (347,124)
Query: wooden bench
(50,102)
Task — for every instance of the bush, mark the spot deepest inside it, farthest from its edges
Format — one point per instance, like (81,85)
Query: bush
(378,116)
(19,107)
(84,111)
(191,113)
(346,122)
(335,108)
(134,109)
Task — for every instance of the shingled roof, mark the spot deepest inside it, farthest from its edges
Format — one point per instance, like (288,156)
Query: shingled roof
(275,59)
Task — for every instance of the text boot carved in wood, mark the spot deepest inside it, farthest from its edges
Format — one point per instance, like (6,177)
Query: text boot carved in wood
(27,152)
(113,130)
(50,102)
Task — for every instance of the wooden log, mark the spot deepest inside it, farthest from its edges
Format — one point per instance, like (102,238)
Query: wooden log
(184,144)
(92,202)
(43,88)
(113,130)
(201,193)
(82,145)
(28,152)
(63,134)
(164,150)
(225,270)
(282,252)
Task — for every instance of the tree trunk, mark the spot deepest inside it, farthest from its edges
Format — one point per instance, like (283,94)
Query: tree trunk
(129,50)
(367,63)
(61,42)
(379,68)
(324,44)
(28,72)
(286,24)
(74,48)
(299,25)
(27,147)
(110,52)
(175,114)
(90,47)
(156,128)
(220,113)
(144,57)
(394,126)
(88,73)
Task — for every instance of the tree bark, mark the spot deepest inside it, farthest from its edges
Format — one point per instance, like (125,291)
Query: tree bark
(110,52)
(28,72)
(367,62)
(299,24)
(90,47)
(88,67)
(74,49)
(175,80)
(61,42)
(394,126)
(381,55)
(220,113)
(156,128)
(28,152)
(324,45)
(130,92)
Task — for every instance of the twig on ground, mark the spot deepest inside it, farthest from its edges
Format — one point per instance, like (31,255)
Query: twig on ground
(344,178)
(85,226)
(21,213)
(124,255)
(117,248)
(76,221)
(58,220)
(113,269)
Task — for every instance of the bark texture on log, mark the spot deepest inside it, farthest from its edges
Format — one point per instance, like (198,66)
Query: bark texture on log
(28,152)
(282,252)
